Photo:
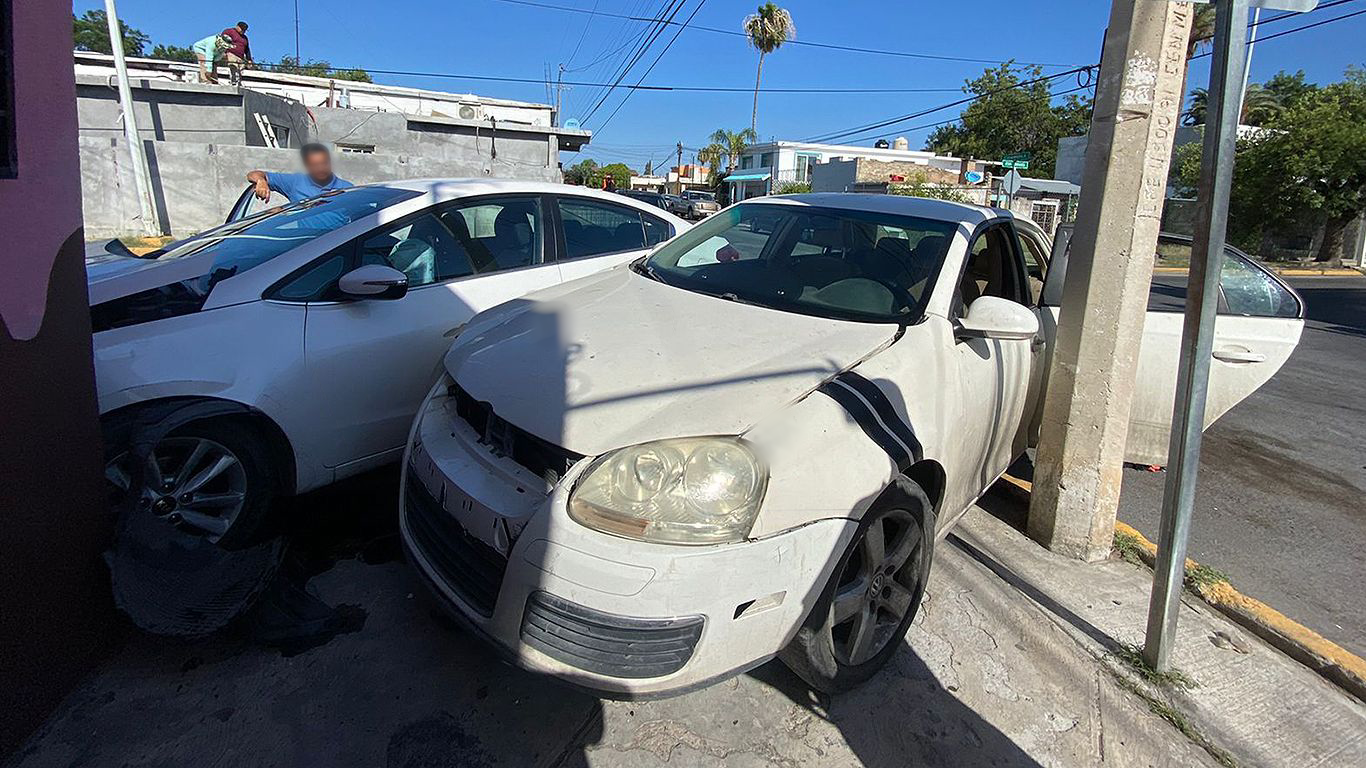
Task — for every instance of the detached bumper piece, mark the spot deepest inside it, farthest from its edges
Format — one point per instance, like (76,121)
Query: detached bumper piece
(606,644)
(467,565)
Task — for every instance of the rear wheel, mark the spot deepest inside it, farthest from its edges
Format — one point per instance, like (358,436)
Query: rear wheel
(871,598)
(210,478)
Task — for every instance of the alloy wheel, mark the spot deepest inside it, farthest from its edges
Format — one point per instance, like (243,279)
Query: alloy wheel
(876,588)
(194,483)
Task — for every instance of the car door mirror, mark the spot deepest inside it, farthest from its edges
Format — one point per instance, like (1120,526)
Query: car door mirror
(991,317)
(373,281)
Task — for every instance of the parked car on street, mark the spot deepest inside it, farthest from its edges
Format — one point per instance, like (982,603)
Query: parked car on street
(676,205)
(291,348)
(700,205)
(650,198)
(748,443)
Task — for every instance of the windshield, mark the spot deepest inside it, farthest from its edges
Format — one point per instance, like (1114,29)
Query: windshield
(843,264)
(700,196)
(241,245)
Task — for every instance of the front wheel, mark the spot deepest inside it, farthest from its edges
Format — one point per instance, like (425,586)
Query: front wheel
(209,478)
(871,598)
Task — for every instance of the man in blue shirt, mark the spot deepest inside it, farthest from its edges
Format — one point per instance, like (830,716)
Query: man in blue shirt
(316,179)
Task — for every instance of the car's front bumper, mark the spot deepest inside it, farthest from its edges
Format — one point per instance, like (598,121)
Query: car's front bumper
(613,615)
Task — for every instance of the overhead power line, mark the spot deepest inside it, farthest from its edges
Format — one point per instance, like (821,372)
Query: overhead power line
(846,133)
(805,43)
(651,68)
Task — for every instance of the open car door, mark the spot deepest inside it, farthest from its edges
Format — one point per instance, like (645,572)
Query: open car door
(1259,324)
(248,204)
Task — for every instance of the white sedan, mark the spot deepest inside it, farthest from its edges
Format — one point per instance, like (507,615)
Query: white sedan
(747,444)
(291,348)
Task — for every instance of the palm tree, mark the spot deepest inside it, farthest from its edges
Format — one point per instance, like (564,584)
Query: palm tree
(768,28)
(1260,106)
(711,155)
(1201,37)
(733,144)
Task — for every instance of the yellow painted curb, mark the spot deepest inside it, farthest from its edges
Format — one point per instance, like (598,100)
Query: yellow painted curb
(1289,272)
(1324,656)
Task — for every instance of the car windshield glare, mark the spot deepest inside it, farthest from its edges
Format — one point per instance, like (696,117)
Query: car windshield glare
(241,245)
(829,262)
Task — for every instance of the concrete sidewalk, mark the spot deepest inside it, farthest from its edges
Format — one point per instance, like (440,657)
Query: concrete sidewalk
(1009,663)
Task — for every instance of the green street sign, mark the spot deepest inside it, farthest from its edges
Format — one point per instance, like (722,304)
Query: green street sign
(1019,165)
(1025,156)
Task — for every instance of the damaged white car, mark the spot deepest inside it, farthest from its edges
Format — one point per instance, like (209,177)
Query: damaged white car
(291,348)
(747,443)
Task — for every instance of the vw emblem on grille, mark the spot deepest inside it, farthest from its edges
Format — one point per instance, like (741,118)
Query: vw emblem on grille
(498,435)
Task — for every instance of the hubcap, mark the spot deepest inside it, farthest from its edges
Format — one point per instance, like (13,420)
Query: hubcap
(876,588)
(193,483)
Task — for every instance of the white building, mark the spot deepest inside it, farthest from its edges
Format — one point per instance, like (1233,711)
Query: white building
(765,168)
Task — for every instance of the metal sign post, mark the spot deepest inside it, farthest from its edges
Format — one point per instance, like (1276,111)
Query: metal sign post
(1197,336)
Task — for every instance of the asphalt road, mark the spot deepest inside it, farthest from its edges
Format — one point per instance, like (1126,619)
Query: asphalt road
(1279,504)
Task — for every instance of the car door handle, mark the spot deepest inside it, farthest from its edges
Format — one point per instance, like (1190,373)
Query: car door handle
(1235,355)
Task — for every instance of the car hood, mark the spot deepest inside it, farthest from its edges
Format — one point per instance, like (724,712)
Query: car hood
(618,359)
(111,276)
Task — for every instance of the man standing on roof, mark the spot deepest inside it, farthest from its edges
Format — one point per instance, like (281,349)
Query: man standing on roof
(238,51)
(208,51)
(316,179)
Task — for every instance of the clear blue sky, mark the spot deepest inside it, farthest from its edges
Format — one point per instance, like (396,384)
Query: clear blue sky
(491,37)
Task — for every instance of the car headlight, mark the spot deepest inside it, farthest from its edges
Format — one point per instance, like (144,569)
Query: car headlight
(703,490)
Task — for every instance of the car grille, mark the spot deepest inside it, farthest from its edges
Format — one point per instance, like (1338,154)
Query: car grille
(545,459)
(618,646)
(466,564)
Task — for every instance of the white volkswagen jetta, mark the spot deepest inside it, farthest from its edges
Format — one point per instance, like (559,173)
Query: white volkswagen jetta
(291,348)
(747,443)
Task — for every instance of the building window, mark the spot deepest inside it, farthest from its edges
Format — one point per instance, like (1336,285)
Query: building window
(9,149)
(804,163)
(766,160)
(747,162)
(356,149)
(1045,214)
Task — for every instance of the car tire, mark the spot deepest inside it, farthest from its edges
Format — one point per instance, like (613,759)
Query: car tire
(227,455)
(828,651)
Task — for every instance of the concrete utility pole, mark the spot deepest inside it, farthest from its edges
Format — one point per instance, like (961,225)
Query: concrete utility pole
(1086,412)
(142,177)
(680,167)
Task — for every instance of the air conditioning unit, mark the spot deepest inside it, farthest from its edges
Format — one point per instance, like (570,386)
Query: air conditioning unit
(471,112)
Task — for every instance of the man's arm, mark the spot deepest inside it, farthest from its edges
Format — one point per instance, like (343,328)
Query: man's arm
(261,180)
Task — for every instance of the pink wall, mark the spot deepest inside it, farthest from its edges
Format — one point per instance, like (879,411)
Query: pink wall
(43,207)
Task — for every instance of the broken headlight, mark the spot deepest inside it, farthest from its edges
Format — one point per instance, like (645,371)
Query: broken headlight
(704,490)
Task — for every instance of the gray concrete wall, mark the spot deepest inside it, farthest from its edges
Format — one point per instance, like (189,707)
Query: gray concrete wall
(165,111)
(834,176)
(196,184)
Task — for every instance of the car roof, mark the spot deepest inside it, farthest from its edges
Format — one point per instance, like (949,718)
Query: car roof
(899,205)
(452,188)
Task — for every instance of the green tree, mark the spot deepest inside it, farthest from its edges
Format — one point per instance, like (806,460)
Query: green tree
(713,155)
(1261,105)
(1309,165)
(734,143)
(90,32)
(582,172)
(1010,117)
(1289,89)
(767,28)
(319,68)
(620,173)
(174,53)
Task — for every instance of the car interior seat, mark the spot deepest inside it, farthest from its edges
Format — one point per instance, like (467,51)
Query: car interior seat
(820,270)
(512,237)
(478,255)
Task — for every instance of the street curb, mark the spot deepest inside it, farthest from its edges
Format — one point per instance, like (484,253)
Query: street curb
(1291,272)
(1330,660)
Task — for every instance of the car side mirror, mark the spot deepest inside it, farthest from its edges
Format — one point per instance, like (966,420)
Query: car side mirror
(374,281)
(991,317)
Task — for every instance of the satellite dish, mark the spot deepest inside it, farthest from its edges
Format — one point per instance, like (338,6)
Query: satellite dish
(572,124)
(974,177)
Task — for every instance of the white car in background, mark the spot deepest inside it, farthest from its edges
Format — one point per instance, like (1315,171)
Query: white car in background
(748,443)
(291,348)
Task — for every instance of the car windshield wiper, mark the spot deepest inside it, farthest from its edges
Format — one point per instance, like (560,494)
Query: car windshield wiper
(645,269)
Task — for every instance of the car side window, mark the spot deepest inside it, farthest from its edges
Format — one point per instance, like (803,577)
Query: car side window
(500,233)
(656,230)
(592,228)
(423,248)
(992,268)
(318,282)
(1250,291)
